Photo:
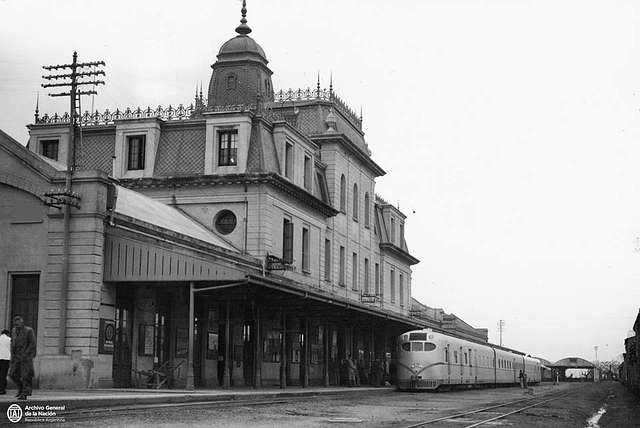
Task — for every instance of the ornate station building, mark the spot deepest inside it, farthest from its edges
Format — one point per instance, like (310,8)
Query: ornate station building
(238,241)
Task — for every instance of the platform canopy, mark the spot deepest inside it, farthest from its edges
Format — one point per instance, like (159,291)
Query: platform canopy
(573,363)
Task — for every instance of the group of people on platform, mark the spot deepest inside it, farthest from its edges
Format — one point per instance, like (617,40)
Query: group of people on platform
(360,372)
(17,351)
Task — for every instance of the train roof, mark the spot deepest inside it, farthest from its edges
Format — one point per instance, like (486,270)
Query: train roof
(479,342)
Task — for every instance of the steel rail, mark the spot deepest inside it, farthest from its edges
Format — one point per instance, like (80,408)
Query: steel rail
(123,410)
(81,414)
(484,409)
(495,418)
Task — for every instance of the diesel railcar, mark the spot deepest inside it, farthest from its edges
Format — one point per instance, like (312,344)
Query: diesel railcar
(429,360)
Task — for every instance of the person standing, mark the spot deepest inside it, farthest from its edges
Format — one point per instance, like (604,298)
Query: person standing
(351,371)
(521,377)
(23,351)
(5,359)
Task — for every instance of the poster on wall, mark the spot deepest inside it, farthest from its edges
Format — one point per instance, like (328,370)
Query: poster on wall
(182,343)
(146,340)
(212,345)
(106,336)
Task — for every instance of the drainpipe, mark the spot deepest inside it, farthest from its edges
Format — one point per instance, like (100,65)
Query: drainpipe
(190,381)
(246,221)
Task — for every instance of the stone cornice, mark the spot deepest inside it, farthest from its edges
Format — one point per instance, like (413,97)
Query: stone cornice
(399,252)
(352,148)
(272,179)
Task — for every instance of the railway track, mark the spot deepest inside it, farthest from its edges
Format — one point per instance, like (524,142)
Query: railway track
(515,403)
(126,410)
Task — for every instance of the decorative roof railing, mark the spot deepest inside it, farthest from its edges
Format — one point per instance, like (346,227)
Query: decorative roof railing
(169,114)
(109,117)
(329,95)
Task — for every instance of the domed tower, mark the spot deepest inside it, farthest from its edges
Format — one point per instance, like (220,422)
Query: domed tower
(241,71)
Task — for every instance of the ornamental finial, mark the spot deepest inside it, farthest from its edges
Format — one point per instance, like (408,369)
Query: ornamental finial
(243,29)
(37,104)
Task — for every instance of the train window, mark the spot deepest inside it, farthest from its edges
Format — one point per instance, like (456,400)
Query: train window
(406,346)
(428,346)
(417,336)
(465,359)
(446,355)
(455,357)
(417,346)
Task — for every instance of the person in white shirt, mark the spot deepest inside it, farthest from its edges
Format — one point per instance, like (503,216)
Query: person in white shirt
(5,358)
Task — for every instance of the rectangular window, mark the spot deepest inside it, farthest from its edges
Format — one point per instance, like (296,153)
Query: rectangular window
(327,260)
(135,152)
(392,236)
(401,234)
(342,263)
(305,249)
(354,272)
(401,285)
(228,148)
(376,274)
(288,161)
(392,284)
(366,276)
(287,241)
(49,148)
(307,173)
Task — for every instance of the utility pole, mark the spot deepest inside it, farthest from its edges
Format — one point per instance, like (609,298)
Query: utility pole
(67,198)
(501,329)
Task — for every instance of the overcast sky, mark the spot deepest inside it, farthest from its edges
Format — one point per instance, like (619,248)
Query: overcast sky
(509,130)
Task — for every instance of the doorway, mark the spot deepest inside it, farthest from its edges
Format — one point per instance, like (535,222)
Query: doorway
(122,345)
(25,291)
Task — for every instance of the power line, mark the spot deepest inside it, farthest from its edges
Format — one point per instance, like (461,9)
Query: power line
(66,198)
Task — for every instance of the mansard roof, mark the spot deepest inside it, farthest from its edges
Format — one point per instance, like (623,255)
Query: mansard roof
(400,251)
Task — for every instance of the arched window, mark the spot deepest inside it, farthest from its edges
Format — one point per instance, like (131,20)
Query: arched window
(366,209)
(355,201)
(343,194)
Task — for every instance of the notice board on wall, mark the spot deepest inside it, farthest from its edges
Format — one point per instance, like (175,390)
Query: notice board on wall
(106,336)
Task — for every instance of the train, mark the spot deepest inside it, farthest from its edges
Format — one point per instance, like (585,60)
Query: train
(431,360)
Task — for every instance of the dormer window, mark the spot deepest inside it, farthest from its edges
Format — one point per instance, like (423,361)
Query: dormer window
(135,152)
(307,173)
(49,149)
(288,161)
(228,148)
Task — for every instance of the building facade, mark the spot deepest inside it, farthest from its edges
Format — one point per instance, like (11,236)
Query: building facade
(236,241)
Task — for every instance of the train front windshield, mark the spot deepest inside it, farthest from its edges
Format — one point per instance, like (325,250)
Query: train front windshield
(418,343)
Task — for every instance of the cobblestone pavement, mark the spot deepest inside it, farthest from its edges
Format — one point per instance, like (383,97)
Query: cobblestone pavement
(400,409)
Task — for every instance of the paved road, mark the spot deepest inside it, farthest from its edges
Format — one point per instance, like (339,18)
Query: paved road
(395,409)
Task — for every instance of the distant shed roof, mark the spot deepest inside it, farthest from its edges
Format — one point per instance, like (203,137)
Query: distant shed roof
(573,362)
(140,207)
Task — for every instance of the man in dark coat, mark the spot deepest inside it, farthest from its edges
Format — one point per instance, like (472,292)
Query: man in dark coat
(23,351)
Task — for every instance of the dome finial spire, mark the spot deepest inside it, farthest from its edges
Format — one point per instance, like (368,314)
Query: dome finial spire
(243,29)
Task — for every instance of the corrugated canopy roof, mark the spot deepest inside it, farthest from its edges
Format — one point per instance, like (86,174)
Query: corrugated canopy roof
(140,207)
